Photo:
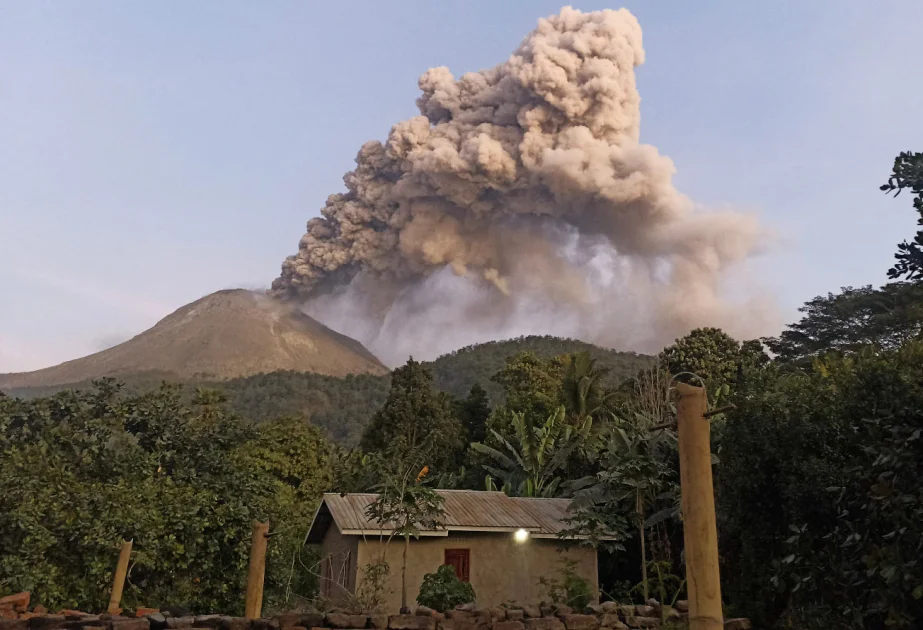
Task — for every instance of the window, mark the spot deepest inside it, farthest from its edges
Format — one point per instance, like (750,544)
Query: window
(460,560)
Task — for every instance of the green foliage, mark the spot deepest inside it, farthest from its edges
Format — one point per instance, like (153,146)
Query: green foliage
(416,418)
(473,413)
(819,494)
(667,586)
(583,387)
(567,587)
(710,354)
(371,589)
(456,372)
(845,322)
(907,174)
(443,591)
(527,465)
(83,470)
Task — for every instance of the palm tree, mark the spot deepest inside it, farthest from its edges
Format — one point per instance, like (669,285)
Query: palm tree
(585,395)
(528,465)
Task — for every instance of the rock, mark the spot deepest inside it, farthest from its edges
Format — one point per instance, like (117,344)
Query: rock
(467,607)
(580,622)
(176,611)
(497,613)
(311,620)
(157,620)
(682,605)
(13,624)
(737,624)
(340,620)
(130,624)
(18,601)
(425,611)
(532,612)
(515,614)
(544,623)
(377,621)
(562,610)
(292,619)
(180,622)
(8,614)
(47,622)
(610,607)
(207,621)
(230,623)
(40,610)
(410,622)
(508,625)
(264,624)
(642,622)
(645,611)
(145,612)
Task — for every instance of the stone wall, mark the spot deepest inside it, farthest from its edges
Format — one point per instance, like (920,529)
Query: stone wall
(15,615)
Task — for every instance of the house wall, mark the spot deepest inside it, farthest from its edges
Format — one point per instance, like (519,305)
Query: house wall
(340,555)
(501,570)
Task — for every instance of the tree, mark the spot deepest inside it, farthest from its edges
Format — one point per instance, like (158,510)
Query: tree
(907,174)
(527,466)
(415,417)
(473,413)
(712,355)
(845,322)
(97,467)
(583,389)
(634,476)
(818,493)
(296,461)
(406,506)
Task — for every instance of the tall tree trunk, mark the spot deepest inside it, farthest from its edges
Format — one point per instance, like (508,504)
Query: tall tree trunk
(404,609)
(639,507)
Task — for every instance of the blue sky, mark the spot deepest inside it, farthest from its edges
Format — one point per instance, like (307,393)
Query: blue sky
(151,153)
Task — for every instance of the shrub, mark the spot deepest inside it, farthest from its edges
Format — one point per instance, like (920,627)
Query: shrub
(443,590)
(568,587)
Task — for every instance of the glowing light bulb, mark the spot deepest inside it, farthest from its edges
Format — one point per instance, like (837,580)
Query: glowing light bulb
(521,536)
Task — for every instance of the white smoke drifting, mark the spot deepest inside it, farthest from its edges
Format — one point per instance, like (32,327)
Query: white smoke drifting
(521,201)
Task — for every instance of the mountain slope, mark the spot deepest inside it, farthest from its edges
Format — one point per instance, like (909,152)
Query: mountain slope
(224,335)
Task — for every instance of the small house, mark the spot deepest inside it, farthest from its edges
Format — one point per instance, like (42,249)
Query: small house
(502,545)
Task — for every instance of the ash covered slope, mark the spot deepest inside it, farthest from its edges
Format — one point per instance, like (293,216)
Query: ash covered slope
(223,335)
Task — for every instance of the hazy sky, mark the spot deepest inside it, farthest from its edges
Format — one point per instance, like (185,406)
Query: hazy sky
(151,153)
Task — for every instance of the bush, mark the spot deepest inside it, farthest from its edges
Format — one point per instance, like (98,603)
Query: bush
(568,587)
(443,590)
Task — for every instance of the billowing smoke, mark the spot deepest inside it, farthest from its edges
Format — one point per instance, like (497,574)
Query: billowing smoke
(521,201)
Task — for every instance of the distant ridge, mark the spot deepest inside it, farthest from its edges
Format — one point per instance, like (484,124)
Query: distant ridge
(224,335)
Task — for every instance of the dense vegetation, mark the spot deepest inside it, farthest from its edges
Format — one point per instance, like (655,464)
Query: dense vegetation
(819,456)
(344,406)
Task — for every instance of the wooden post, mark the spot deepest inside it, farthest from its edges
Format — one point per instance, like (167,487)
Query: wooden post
(698,503)
(254,604)
(118,583)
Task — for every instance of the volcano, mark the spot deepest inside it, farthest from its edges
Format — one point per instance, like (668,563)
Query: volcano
(223,335)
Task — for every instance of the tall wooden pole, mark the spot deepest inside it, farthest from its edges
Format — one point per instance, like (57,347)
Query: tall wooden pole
(254,604)
(698,502)
(118,582)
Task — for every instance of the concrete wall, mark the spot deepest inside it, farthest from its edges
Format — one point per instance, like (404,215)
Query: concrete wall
(340,554)
(501,570)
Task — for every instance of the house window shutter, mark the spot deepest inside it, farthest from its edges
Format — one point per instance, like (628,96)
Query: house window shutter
(460,560)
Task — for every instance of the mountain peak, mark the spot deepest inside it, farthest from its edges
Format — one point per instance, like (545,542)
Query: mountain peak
(226,334)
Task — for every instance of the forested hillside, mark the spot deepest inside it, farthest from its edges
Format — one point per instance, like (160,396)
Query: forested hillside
(344,406)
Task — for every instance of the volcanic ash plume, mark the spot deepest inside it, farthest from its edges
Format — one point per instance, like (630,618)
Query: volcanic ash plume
(520,200)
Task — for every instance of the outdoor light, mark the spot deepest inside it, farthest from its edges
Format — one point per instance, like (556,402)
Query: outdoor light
(521,535)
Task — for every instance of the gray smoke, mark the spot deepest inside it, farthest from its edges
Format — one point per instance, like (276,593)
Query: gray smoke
(521,201)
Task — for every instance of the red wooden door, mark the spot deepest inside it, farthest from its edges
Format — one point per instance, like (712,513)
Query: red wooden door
(460,560)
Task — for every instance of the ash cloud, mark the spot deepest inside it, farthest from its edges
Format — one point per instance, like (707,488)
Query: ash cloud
(522,201)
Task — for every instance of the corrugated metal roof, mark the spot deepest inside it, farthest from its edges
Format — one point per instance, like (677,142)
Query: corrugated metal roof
(465,510)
